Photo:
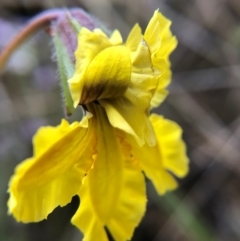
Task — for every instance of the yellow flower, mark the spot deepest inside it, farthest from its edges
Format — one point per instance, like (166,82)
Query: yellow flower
(101,159)
(125,79)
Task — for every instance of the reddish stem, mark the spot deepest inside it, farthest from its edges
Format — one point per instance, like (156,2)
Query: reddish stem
(34,25)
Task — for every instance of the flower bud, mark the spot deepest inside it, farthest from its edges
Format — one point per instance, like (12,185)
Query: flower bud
(64,30)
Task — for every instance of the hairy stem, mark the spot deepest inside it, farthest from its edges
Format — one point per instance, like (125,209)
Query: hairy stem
(40,21)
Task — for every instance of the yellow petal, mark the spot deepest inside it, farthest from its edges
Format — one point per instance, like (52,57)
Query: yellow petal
(169,43)
(141,60)
(122,114)
(161,93)
(168,155)
(61,159)
(158,97)
(116,38)
(86,219)
(161,43)
(167,46)
(140,90)
(102,185)
(106,174)
(171,145)
(129,209)
(76,84)
(90,44)
(159,36)
(100,33)
(134,38)
(108,75)
(151,163)
(145,73)
(131,204)
(103,70)
(113,194)
(152,33)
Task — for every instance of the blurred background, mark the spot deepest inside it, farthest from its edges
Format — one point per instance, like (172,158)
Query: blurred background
(204,99)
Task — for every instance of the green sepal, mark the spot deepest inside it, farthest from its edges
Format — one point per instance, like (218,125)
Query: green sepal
(66,71)
(74,23)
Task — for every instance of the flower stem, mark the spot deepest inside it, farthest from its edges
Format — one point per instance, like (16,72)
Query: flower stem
(40,21)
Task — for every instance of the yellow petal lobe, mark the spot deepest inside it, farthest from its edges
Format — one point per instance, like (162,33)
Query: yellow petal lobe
(37,186)
(171,145)
(161,43)
(116,38)
(169,155)
(108,75)
(131,204)
(134,38)
(107,168)
(113,177)
(122,114)
(103,67)
(90,44)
